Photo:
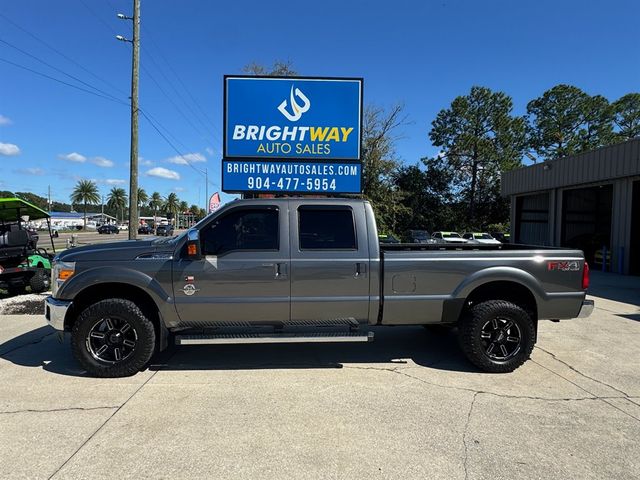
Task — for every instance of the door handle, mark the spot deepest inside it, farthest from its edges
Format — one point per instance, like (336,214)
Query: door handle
(281,270)
(361,270)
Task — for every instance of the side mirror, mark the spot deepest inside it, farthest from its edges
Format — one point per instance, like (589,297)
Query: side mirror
(193,244)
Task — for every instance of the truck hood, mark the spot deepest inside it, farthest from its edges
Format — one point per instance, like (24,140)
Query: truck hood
(115,251)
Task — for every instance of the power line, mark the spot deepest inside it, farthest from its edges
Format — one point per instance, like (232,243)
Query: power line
(172,101)
(100,19)
(155,127)
(62,54)
(110,98)
(207,119)
(194,113)
(24,52)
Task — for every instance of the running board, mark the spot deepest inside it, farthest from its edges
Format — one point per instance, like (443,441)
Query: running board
(273,338)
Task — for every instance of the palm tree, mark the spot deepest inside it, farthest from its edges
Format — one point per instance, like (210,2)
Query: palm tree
(183,207)
(117,199)
(155,203)
(142,197)
(171,204)
(85,192)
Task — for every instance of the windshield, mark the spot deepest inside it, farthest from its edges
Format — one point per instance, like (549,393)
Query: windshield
(420,234)
(451,235)
(482,236)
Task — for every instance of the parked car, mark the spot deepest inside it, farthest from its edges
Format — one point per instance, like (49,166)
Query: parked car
(123,226)
(286,262)
(145,229)
(481,237)
(502,237)
(384,238)
(165,230)
(448,237)
(420,236)
(108,228)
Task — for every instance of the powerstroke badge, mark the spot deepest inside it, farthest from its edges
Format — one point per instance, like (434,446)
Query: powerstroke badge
(189,289)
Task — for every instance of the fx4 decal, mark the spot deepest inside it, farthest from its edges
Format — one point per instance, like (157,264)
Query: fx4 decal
(572,266)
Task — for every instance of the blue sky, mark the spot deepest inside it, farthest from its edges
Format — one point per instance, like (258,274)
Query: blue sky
(419,53)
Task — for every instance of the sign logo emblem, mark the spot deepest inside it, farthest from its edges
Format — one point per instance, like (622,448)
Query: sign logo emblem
(189,289)
(297,109)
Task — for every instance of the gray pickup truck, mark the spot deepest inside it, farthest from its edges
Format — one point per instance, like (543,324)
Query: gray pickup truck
(304,270)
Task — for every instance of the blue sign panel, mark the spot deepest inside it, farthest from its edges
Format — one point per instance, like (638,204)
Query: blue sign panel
(287,176)
(316,119)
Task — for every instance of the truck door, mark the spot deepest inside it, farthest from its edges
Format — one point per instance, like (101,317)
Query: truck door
(329,262)
(243,276)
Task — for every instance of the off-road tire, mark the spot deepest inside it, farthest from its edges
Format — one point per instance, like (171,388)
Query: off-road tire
(39,282)
(474,347)
(116,308)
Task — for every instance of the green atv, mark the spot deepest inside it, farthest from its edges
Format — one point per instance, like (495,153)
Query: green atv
(22,263)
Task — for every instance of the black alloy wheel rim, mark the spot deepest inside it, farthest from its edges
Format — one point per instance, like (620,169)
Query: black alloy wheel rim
(501,339)
(112,340)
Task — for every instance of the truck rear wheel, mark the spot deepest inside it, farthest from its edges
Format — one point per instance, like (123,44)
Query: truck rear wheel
(113,338)
(497,336)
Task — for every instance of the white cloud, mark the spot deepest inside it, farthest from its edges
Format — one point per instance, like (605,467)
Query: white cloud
(178,189)
(186,159)
(30,171)
(115,181)
(5,120)
(102,162)
(161,172)
(209,150)
(145,163)
(9,149)
(73,157)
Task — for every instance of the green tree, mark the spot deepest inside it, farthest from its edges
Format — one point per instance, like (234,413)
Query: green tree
(380,164)
(278,69)
(171,205)
(117,200)
(85,192)
(597,123)
(479,139)
(626,116)
(427,198)
(554,121)
(34,199)
(565,121)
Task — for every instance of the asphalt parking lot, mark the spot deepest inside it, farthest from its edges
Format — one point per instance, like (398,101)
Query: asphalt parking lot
(407,406)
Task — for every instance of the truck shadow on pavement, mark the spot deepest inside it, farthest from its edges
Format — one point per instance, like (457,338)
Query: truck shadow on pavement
(393,347)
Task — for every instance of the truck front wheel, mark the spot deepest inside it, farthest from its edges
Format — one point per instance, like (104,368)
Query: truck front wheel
(113,338)
(497,336)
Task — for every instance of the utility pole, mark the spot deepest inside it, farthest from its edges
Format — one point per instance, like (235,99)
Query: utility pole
(135,63)
(206,190)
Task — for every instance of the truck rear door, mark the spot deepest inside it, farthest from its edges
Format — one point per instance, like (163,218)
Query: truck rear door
(329,262)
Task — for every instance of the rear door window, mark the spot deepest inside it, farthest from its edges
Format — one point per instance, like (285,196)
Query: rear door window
(326,228)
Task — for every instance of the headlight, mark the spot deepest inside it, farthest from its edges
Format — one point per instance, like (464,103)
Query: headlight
(60,272)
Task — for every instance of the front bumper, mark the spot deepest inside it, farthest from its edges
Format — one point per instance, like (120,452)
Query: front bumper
(55,311)
(586,309)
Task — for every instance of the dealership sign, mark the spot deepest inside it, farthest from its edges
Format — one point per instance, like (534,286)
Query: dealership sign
(281,134)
